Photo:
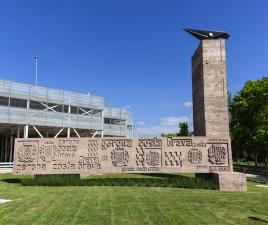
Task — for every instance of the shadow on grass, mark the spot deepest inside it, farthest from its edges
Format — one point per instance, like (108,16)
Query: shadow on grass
(157,180)
(12,180)
(257,219)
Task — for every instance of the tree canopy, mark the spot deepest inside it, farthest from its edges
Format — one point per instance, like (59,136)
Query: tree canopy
(249,121)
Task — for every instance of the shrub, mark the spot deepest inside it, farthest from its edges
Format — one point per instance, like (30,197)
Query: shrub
(153,180)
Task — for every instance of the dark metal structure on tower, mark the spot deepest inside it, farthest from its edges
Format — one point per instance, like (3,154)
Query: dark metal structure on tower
(208,34)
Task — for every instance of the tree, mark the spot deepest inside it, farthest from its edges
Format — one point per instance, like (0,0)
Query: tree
(183,129)
(249,121)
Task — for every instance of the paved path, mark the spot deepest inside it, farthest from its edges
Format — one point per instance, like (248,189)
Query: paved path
(6,171)
(250,173)
(4,201)
(257,176)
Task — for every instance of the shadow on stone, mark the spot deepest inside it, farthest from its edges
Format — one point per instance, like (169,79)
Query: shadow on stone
(167,175)
(257,219)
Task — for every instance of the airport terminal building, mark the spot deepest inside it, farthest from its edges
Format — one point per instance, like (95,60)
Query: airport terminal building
(31,111)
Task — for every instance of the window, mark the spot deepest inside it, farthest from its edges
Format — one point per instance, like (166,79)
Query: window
(4,101)
(107,120)
(73,109)
(36,105)
(114,121)
(65,108)
(16,102)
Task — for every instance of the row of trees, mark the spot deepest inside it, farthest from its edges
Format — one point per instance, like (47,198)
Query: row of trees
(249,122)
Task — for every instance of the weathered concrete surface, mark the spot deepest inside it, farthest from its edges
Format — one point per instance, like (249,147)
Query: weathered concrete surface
(86,156)
(231,181)
(227,181)
(210,111)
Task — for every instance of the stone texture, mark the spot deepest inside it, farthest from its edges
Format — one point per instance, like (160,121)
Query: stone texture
(86,156)
(231,181)
(227,181)
(210,111)
(208,154)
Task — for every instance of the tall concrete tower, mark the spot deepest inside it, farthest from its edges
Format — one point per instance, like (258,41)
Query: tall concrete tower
(210,110)
(209,89)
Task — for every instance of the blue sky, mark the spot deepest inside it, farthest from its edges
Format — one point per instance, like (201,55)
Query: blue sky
(132,52)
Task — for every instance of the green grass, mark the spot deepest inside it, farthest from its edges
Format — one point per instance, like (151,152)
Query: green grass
(123,205)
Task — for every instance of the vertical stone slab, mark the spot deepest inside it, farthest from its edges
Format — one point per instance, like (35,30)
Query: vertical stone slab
(210,111)
(210,108)
(232,181)
(226,181)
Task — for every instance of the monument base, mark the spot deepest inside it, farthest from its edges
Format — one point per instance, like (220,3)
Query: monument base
(231,181)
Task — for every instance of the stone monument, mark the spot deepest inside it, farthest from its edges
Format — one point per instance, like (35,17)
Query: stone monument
(208,153)
(209,90)
(87,156)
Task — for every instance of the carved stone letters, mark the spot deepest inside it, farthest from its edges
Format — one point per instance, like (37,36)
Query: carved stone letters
(121,155)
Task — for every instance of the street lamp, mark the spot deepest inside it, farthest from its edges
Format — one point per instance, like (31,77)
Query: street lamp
(36,57)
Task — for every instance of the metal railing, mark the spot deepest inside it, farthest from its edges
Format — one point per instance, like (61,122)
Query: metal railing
(15,115)
(117,130)
(43,94)
(6,165)
(116,113)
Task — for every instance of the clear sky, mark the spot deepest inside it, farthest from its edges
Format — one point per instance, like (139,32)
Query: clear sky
(132,52)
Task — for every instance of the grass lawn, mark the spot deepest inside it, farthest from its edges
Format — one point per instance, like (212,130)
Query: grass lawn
(128,204)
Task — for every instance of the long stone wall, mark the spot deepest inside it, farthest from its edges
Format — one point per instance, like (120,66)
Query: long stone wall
(87,156)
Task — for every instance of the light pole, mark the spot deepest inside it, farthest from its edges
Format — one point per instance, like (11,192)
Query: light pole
(36,57)
(127,107)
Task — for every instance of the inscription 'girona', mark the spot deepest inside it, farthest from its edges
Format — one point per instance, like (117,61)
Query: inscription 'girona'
(107,143)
